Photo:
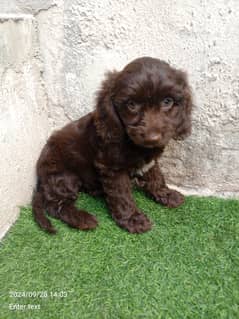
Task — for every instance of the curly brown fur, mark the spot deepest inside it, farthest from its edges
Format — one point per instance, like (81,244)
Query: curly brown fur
(138,111)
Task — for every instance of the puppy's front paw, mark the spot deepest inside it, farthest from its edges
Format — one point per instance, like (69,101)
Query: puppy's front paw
(136,223)
(170,198)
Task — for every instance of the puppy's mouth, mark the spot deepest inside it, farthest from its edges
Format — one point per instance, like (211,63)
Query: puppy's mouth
(152,144)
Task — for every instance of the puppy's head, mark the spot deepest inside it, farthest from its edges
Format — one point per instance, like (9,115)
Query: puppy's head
(149,101)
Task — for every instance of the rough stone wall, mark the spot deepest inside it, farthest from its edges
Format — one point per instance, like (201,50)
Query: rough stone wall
(53,54)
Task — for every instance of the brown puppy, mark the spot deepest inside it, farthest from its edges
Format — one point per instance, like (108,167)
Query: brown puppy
(138,111)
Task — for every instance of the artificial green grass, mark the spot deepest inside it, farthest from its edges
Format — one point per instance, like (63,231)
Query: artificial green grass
(186,267)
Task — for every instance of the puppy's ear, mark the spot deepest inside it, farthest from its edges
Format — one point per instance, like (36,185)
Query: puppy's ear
(184,128)
(107,121)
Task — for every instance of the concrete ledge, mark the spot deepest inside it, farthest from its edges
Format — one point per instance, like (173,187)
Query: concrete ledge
(15,17)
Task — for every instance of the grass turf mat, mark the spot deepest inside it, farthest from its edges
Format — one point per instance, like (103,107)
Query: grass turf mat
(186,267)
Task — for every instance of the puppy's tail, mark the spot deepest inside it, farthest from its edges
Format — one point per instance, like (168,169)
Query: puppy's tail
(39,211)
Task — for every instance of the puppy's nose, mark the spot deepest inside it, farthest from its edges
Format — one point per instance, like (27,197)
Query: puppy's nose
(154,137)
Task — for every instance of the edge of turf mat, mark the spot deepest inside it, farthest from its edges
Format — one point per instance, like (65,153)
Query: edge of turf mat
(186,267)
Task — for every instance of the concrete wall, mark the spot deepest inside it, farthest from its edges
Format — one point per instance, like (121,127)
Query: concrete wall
(53,57)
(23,117)
(31,95)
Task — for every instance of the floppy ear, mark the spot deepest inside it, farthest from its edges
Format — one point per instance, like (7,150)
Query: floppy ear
(107,122)
(184,128)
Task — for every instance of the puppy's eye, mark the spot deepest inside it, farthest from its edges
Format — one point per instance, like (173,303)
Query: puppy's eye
(167,102)
(132,106)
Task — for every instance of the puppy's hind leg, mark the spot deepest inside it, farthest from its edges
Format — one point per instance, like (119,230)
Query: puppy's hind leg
(62,192)
(77,218)
(39,212)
